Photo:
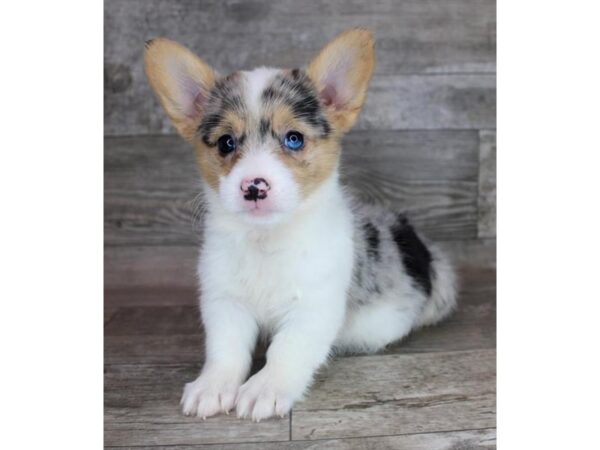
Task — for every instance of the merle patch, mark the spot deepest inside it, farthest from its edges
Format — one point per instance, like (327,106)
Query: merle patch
(372,239)
(415,255)
(225,96)
(297,91)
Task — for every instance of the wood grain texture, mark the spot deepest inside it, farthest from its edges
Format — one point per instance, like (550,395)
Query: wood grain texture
(394,102)
(413,37)
(478,253)
(455,101)
(171,333)
(430,389)
(154,276)
(487,184)
(151,183)
(163,270)
(420,394)
(353,396)
(141,407)
(456,440)
(400,394)
(162,267)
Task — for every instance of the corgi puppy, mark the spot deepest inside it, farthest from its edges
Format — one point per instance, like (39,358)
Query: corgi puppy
(287,253)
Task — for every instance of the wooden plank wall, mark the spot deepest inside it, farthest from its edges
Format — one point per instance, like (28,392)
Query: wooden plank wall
(425,142)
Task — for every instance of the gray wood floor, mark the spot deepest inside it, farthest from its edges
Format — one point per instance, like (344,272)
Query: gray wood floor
(434,390)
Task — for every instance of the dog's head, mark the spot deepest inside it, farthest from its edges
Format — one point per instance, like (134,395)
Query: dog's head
(265,139)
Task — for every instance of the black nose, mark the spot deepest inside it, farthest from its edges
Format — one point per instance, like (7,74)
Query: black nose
(255,189)
(251,193)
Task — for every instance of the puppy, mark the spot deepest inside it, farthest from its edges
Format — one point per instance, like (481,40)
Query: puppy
(287,253)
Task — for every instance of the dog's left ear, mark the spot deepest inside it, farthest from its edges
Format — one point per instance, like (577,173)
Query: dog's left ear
(182,82)
(342,71)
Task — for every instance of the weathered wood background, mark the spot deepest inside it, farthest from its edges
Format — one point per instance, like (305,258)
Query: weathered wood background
(425,144)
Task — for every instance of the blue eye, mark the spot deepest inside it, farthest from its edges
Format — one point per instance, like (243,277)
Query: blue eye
(294,140)
(226,144)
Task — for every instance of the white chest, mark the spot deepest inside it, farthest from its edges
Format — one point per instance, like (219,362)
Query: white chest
(270,272)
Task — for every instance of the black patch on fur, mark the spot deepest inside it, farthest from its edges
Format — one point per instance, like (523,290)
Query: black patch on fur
(148,43)
(224,97)
(207,142)
(297,90)
(264,127)
(372,238)
(415,255)
(269,94)
(209,123)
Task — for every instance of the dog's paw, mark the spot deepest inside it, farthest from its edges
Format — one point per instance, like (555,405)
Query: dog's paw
(209,395)
(262,397)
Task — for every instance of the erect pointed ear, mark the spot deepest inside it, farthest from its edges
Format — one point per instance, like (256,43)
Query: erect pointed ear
(342,71)
(182,82)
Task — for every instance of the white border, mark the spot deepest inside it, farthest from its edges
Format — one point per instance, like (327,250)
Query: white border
(51,188)
(548,228)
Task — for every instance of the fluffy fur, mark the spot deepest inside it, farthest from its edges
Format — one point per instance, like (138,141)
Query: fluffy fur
(302,263)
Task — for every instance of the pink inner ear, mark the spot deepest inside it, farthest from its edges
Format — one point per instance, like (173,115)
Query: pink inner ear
(192,97)
(328,96)
(198,105)
(189,96)
(334,92)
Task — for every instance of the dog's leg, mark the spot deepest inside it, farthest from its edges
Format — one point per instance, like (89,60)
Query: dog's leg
(230,338)
(301,344)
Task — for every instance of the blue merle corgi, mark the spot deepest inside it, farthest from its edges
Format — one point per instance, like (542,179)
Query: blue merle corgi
(287,252)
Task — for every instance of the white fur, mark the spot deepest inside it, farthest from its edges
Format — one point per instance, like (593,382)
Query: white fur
(374,326)
(291,280)
(256,81)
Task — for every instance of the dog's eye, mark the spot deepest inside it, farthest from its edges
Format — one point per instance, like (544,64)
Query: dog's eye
(294,140)
(226,144)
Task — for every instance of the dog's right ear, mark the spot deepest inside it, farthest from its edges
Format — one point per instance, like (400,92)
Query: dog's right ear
(182,82)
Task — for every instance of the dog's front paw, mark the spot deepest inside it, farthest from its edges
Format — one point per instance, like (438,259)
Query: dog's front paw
(262,396)
(209,395)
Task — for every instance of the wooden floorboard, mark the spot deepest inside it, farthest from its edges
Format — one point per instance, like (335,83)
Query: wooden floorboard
(147,331)
(413,37)
(486,206)
(430,391)
(141,407)
(352,397)
(392,394)
(151,183)
(394,102)
(162,272)
(454,440)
